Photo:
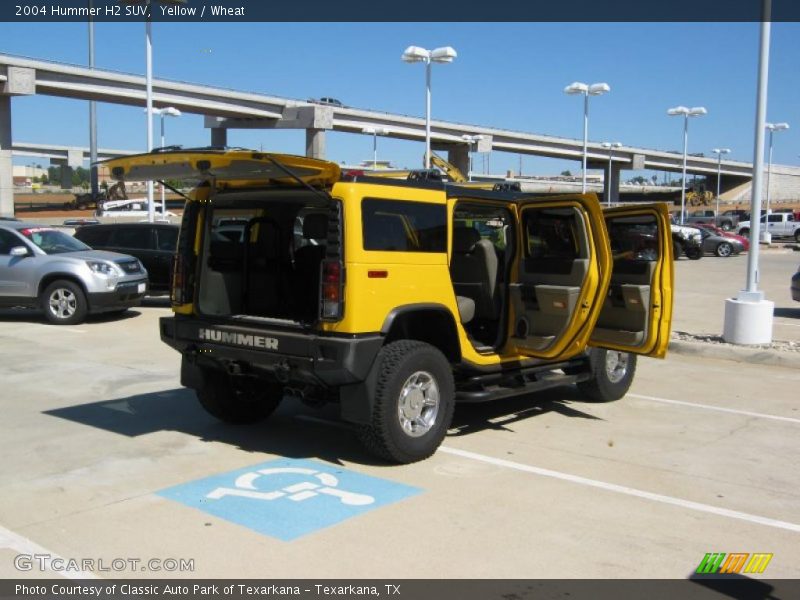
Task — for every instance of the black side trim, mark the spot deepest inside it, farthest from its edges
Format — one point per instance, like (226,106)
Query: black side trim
(410,308)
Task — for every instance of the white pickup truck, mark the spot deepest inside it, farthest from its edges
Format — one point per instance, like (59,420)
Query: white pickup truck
(778,224)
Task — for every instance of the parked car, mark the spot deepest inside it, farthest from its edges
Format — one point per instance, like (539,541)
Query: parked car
(795,287)
(728,234)
(778,225)
(42,267)
(327,101)
(686,240)
(726,222)
(152,243)
(719,245)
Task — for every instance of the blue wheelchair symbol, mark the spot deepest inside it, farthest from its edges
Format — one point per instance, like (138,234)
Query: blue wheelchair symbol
(288,498)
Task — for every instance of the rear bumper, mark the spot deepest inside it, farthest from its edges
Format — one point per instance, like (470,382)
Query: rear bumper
(285,355)
(126,295)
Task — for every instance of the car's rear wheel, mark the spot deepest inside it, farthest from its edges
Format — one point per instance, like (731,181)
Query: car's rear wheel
(677,250)
(238,400)
(413,403)
(64,303)
(612,375)
(695,253)
(797,236)
(726,226)
(744,232)
(724,249)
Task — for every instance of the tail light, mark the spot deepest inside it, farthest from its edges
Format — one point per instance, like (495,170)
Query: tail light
(332,290)
(184,263)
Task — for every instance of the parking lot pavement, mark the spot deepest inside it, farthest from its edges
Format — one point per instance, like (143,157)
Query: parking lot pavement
(97,434)
(702,286)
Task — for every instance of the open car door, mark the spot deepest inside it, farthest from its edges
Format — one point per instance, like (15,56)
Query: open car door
(560,276)
(637,311)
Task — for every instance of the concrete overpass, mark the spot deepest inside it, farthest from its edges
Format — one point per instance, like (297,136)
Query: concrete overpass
(229,109)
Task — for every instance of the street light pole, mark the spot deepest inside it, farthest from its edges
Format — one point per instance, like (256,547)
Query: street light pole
(169,111)
(595,89)
(413,54)
(92,118)
(686,113)
(151,209)
(772,127)
(719,152)
(375,132)
(610,146)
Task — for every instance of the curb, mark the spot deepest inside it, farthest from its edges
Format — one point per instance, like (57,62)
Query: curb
(748,354)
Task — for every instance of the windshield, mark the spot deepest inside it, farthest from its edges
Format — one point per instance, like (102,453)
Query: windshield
(52,241)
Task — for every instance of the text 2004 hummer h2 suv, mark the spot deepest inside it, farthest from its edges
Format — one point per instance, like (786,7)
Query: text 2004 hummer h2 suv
(397,299)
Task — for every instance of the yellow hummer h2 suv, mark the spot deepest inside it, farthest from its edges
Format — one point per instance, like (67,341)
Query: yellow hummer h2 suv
(397,299)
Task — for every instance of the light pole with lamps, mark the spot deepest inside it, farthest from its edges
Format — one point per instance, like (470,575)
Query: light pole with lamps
(148,24)
(414,54)
(719,152)
(595,89)
(686,113)
(169,111)
(772,127)
(471,141)
(610,146)
(375,132)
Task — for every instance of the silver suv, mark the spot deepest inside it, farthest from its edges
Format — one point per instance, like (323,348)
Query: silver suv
(49,269)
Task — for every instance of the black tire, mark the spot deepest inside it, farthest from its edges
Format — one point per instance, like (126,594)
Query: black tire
(238,401)
(677,250)
(744,232)
(726,226)
(695,253)
(723,250)
(797,236)
(406,437)
(611,378)
(64,303)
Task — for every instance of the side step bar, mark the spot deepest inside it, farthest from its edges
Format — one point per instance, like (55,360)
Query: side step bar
(542,381)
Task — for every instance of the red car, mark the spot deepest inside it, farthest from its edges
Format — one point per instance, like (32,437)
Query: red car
(729,234)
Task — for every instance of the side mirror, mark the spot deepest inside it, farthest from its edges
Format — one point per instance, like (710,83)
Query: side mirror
(19,251)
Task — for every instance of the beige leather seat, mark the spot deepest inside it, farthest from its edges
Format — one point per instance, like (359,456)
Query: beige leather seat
(473,269)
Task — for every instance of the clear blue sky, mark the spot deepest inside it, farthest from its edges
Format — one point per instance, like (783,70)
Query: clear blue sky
(506,75)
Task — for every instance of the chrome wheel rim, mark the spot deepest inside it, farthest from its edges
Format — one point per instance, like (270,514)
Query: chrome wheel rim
(418,405)
(724,250)
(63,303)
(616,365)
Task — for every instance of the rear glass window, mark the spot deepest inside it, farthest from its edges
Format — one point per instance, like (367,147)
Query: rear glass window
(132,237)
(393,225)
(94,236)
(635,238)
(551,234)
(167,239)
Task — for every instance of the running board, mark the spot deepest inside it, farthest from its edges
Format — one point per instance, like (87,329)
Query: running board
(543,382)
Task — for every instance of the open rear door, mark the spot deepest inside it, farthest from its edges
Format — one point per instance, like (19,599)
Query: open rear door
(637,311)
(562,269)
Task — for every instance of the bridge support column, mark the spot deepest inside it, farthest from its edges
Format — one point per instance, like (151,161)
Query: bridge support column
(6,170)
(219,137)
(315,143)
(612,177)
(458,156)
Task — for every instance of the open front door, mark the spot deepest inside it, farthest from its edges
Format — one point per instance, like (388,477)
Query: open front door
(560,276)
(637,311)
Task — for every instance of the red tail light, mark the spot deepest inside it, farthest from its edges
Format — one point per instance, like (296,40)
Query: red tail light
(331,290)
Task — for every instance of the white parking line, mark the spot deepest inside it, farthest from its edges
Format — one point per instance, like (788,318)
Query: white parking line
(735,411)
(621,489)
(18,543)
(786,324)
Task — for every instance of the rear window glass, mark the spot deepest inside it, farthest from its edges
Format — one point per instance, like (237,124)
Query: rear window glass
(94,236)
(550,234)
(132,237)
(393,225)
(167,239)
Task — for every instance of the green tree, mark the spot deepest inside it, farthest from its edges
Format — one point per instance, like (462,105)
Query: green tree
(566,173)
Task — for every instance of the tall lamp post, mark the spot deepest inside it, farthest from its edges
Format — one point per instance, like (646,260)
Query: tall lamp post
(719,152)
(413,54)
(610,146)
(772,128)
(92,119)
(375,132)
(471,141)
(169,111)
(686,113)
(595,89)
(148,25)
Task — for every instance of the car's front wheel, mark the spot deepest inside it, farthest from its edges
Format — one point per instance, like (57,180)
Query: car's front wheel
(797,236)
(612,375)
(238,400)
(724,249)
(64,303)
(413,403)
(695,253)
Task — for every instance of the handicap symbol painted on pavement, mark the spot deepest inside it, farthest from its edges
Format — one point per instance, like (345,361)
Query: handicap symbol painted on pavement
(288,498)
